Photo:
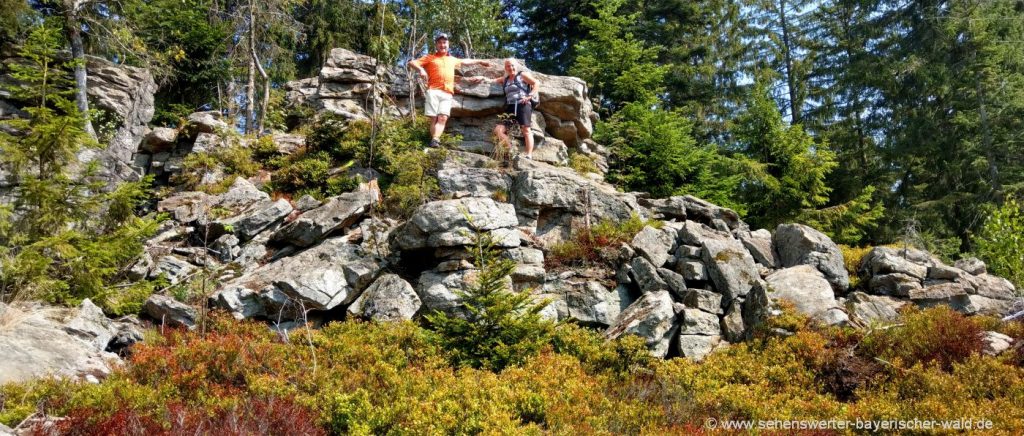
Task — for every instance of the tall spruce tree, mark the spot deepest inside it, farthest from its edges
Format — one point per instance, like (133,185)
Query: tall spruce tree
(954,99)
(63,239)
(618,67)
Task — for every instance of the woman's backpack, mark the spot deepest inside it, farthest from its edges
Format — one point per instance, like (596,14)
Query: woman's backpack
(525,87)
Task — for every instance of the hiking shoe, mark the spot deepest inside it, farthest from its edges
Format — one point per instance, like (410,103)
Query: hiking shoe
(434,143)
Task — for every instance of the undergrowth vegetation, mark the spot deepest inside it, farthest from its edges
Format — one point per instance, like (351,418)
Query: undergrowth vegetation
(372,378)
(597,244)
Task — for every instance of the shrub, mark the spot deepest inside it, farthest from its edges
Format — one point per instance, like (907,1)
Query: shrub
(852,258)
(936,336)
(235,161)
(596,245)
(1000,243)
(500,327)
(582,163)
(394,378)
(413,181)
(625,355)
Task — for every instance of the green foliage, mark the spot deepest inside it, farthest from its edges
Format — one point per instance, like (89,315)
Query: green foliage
(618,67)
(479,28)
(235,161)
(852,259)
(787,172)
(847,223)
(596,245)
(500,327)
(652,151)
(64,238)
(582,163)
(624,356)
(1000,242)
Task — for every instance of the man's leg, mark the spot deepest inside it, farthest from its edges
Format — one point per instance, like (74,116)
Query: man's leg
(437,126)
(434,133)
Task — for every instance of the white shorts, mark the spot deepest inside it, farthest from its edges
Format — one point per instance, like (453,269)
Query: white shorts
(438,103)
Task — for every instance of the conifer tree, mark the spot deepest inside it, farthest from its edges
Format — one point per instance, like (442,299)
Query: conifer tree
(63,240)
(500,327)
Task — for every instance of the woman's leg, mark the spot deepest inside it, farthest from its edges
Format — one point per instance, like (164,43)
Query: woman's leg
(499,131)
(528,140)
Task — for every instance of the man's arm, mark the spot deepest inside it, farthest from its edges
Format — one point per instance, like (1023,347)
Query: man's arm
(479,62)
(416,65)
(481,79)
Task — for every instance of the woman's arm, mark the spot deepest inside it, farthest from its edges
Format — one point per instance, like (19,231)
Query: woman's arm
(534,84)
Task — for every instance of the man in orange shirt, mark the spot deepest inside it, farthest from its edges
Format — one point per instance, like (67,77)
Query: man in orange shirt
(438,69)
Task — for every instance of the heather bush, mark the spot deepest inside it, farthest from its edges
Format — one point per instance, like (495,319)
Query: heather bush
(937,336)
(396,378)
(596,245)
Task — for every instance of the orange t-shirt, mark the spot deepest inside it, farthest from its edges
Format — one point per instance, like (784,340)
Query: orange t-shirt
(440,71)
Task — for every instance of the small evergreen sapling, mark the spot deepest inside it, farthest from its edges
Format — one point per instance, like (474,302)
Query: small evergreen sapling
(500,327)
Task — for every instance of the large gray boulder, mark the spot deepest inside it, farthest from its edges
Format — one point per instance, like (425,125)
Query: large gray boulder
(389,298)
(730,266)
(646,276)
(759,244)
(127,92)
(697,347)
(170,312)
(240,302)
(873,308)
(173,268)
(241,195)
(39,341)
(585,300)
(206,122)
(337,214)
(257,218)
(806,289)
(692,208)
(543,189)
(798,244)
(320,278)
(699,322)
(655,244)
(652,317)
(451,223)
(473,182)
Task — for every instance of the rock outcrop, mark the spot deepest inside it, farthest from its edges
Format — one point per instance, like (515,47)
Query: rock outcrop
(352,85)
(693,279)
(39,340)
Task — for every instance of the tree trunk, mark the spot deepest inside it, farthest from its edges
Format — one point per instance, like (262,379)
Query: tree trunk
(794,106)
(986,143)
(266,90)
(250,90)
(74,34)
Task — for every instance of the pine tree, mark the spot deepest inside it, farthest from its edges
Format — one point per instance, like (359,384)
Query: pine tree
(788,172)
(653,151)
(616,65)
(63,239)
(500,327)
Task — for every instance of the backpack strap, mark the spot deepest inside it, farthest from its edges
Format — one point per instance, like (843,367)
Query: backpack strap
(519,83)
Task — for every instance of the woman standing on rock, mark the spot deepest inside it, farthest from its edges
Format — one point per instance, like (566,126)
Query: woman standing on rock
(520,97)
